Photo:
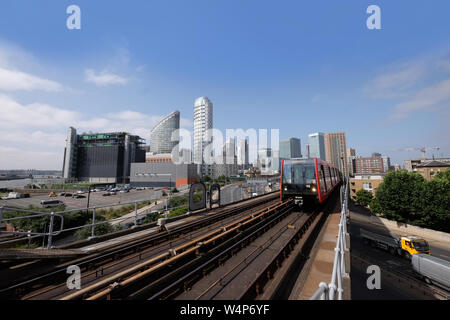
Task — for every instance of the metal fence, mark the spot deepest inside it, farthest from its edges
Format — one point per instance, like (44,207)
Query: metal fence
(328,291)
(233,195)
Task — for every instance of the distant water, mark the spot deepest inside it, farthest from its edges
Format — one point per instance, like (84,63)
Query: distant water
(20,183)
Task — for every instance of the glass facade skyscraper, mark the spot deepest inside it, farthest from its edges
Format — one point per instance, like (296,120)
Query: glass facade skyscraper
(290,148)
(161,134)
(317,145)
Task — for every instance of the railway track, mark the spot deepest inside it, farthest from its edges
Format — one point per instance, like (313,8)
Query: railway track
(153,274)
(233,257)
(116,257)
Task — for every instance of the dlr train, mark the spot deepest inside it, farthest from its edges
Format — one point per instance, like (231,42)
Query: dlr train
(308,180)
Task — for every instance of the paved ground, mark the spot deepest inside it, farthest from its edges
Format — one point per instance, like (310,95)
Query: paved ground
(96,199)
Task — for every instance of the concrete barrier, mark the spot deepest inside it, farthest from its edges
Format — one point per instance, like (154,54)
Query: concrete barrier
(402,227)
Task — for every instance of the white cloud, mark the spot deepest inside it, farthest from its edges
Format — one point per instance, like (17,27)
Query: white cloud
(425,99)
(41,129)
(12,75)
(396,80)
(104,78)
(12,80)
(36,115)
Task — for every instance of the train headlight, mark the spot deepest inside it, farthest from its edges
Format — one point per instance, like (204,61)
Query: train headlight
(313,189)
(285,188)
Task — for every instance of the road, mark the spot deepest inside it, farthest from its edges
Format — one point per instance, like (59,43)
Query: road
(389,290)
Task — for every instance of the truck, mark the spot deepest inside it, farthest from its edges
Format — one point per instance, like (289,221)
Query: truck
(432,269)
(406,246)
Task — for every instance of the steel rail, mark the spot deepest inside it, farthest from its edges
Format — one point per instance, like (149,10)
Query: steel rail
(143,241)
(190,247)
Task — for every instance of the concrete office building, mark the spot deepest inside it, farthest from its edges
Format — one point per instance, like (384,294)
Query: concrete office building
(226,163)
(317,145)
(336,151)
(290,148)
(101,157)
(161,134)
(368,165)
(242,154)
(351,155)
(203,121)
(163,174)
(386,163)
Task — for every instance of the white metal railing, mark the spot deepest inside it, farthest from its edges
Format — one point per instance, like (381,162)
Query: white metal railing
(328,291)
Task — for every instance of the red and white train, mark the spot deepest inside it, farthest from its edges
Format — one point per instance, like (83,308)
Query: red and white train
(308,180)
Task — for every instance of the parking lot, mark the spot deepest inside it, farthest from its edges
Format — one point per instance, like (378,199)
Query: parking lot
(96,199)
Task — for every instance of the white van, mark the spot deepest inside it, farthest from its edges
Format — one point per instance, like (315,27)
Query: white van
(432,269)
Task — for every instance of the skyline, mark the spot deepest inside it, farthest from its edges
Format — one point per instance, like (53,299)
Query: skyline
(301,68)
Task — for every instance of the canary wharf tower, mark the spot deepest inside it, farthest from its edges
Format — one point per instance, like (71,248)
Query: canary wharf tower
(203,120)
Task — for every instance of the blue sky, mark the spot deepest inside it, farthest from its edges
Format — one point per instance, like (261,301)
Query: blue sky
(297,66)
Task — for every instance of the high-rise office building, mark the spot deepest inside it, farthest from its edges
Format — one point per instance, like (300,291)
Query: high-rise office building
(351,155)
(369,165)
(161,134)
(307,150)
(290,148)
(101,157)
(70,154)
(203,121)
(227,166)
(336,151)
(317,145)
(386,163)
(242,153)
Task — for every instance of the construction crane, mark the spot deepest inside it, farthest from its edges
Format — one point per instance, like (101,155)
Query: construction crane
(423,150)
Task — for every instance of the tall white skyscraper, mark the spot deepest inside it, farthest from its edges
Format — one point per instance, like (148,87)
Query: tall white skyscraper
(203,120)
(242,153)
(317,145)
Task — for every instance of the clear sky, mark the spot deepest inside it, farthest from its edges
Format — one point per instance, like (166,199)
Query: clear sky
(297,66)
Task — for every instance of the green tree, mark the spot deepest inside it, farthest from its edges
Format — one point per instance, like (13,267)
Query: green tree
(375,206)
(435,203)
(400,196)
(363,197)
(100,229)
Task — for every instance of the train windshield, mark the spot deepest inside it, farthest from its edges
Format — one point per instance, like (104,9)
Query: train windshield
(310,174)
(299,173)
(287,173)
(421,245)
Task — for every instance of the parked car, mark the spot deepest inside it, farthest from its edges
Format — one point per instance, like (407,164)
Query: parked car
(62,194)
(78,196)
(51,194)
(67,195)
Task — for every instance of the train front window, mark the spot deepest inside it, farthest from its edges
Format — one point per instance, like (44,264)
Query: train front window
(310,174)
(297,174)
(287,173)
